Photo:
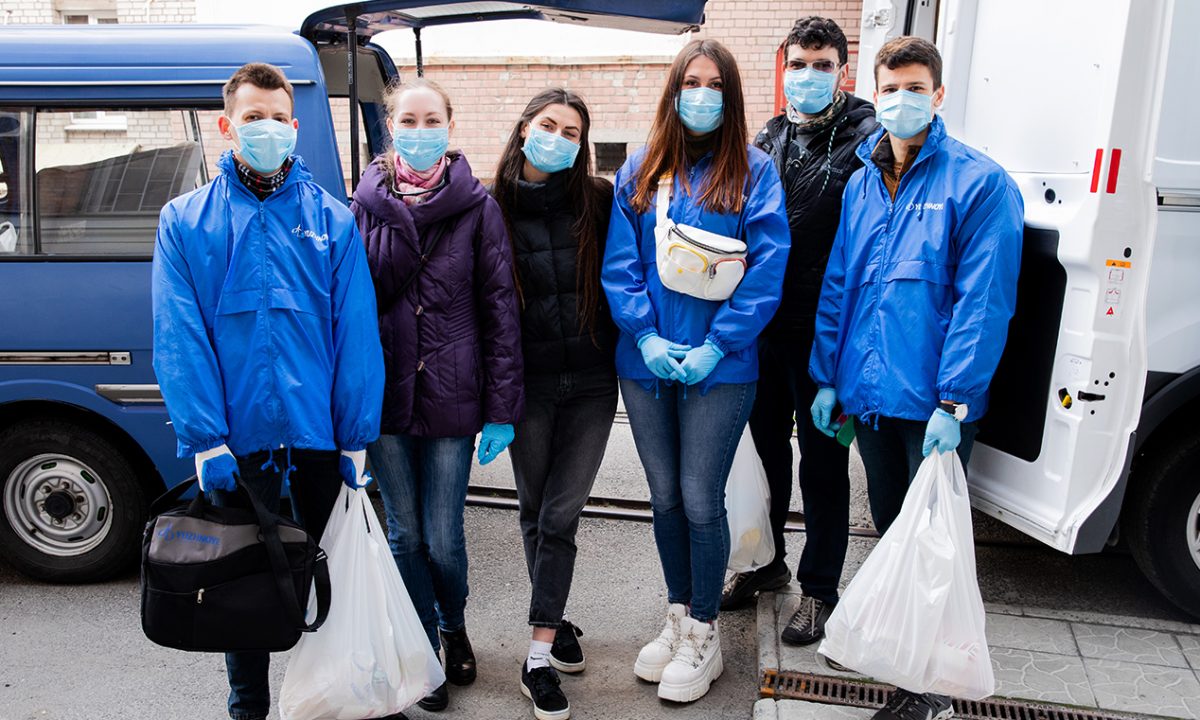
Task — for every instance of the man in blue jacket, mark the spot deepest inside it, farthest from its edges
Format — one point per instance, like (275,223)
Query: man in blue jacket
(266,343)
(920,286)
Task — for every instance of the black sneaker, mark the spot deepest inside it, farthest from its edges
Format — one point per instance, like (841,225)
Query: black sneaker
(541,686)
(460,658)
(904,705)
(565,654)
(742,587)
(808,622)
(437,700)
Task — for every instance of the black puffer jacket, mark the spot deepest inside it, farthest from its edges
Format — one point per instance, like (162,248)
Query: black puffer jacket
(545,251)
(814,172)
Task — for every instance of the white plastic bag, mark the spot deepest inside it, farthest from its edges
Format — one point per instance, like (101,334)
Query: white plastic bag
(913,616)
(371,658)
(748,507)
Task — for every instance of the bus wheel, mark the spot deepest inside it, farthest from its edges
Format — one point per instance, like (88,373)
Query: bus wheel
(72,506)
(1162,522)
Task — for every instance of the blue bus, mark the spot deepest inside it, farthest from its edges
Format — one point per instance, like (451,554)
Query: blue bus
(100,126)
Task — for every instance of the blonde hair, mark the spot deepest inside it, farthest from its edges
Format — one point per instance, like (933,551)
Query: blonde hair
(392,95)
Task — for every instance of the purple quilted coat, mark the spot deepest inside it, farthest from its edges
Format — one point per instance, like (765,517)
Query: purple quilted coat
(451,342)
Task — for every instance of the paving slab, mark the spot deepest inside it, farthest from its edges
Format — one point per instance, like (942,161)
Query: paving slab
(1041,676)
(1191,649)
(1151,689)
(1029,633)
(800,710)
(1124,644)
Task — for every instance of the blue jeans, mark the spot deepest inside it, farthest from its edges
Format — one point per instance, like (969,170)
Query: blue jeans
(314,485)
(686,441)
(423,482)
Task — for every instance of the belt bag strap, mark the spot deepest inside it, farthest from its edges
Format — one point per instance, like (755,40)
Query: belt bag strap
(693,261)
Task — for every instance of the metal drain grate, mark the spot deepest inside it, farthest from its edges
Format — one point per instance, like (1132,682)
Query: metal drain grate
(837,691)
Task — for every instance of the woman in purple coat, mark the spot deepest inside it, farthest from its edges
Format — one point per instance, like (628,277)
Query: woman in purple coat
(448,319)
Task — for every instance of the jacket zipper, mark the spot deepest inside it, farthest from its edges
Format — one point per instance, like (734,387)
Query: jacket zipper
(200,596)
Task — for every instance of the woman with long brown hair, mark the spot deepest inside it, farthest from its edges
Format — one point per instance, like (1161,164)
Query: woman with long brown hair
(693,270)
(557,215)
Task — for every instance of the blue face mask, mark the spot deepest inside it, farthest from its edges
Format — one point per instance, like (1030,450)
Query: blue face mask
(265,144)
(420,148)
(701,109)
(549,152)
(809,91)
(904,113)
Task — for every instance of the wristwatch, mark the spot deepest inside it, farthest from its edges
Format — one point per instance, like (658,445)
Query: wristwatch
(956,409)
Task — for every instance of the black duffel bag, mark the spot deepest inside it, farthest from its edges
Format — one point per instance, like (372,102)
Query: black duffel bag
(228,579)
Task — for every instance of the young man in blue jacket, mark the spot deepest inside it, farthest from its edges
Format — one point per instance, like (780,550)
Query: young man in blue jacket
(266,343)
(920,286)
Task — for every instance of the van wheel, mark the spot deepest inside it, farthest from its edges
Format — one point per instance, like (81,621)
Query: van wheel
(1163,520)
(73,508)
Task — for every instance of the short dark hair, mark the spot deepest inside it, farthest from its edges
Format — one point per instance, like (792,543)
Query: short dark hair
(815,32)
(910,50)
(260,75)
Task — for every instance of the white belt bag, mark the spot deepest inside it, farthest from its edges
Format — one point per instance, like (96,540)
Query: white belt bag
(693,261)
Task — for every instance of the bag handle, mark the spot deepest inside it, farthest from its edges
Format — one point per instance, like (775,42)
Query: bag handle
(269,527)
(662,200)
(422,261)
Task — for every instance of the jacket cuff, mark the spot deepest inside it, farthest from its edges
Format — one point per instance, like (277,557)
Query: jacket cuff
(350,447)
(954,396)
(187,450)
(718,344)
(643,334)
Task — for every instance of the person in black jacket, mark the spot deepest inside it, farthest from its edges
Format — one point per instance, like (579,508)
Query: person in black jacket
(813,144)
(557,215)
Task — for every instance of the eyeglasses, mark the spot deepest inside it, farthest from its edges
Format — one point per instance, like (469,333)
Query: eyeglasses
(825,66)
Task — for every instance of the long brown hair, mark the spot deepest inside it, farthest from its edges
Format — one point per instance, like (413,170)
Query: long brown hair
(665,153)
(581,193)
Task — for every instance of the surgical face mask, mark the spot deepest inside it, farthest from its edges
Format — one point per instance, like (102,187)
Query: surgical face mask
(904,113)
(701,109)
(809,91)
(549,152)
(421,148)
(265,144)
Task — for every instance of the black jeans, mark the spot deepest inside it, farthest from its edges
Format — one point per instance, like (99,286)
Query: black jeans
(314,482)
(555,456)
(891,454)
(784,402)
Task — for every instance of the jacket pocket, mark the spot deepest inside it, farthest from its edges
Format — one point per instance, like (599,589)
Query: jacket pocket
(302,301)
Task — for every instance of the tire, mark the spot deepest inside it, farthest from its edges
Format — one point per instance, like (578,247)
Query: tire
(50,468)
(1162,520)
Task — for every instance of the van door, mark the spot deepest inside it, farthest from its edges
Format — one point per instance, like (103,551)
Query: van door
(1069,115)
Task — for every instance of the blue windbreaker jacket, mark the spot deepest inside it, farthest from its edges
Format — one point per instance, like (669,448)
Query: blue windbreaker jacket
(265,329)
(641,305)
(918,292)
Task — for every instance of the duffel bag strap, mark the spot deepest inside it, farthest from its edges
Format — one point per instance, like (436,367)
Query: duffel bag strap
(171,498)
(278,559)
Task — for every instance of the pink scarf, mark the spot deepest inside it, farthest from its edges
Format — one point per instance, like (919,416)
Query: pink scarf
(409,180)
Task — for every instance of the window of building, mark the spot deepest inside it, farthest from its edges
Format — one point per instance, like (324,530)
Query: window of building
(610,156)
(95,120)
(97,198)
(99,17)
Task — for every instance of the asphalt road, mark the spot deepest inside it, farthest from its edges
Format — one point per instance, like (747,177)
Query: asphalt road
(78,653)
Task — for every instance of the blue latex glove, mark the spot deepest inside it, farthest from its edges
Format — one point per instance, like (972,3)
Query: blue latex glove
(217,469)
(822,409)
(662,357)
(943,433)
(699,362)
(493,440)
(353,466)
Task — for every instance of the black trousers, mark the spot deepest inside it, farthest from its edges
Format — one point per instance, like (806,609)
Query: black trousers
(784,400)
(314,482)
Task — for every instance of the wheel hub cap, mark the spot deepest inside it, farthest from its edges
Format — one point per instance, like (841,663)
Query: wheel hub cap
(57,504)
(1193,531)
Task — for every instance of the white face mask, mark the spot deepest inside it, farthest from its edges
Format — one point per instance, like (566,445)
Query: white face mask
(8,238)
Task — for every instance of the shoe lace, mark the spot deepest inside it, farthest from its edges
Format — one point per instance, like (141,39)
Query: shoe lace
(669,637)
(692,647)
(735,580)
(805,615)
(545,682)
(909,706)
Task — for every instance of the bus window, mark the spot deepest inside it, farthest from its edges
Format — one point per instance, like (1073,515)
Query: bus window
(99,192)
(14,209)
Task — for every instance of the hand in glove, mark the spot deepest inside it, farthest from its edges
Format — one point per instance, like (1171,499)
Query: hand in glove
(699,362)
(352,465)
(942,432)
(217,469)
(493,440)
(822,409)
(662,357)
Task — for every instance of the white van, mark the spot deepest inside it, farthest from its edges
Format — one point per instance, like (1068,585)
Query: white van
(1091,105)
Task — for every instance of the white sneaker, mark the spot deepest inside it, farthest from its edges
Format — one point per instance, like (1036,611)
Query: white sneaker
(658,653)
(696,664)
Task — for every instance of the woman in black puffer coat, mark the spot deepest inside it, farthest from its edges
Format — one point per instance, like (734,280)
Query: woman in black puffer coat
(557,216)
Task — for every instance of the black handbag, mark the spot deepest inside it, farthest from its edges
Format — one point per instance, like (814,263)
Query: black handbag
(228,579)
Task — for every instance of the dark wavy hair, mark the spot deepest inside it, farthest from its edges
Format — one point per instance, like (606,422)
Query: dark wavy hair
(581,192)
(665,154)
(815,32)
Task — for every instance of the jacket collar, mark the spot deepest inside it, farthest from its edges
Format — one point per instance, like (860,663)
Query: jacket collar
(460,193)
(227,164)
(544,197)
(933,142)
